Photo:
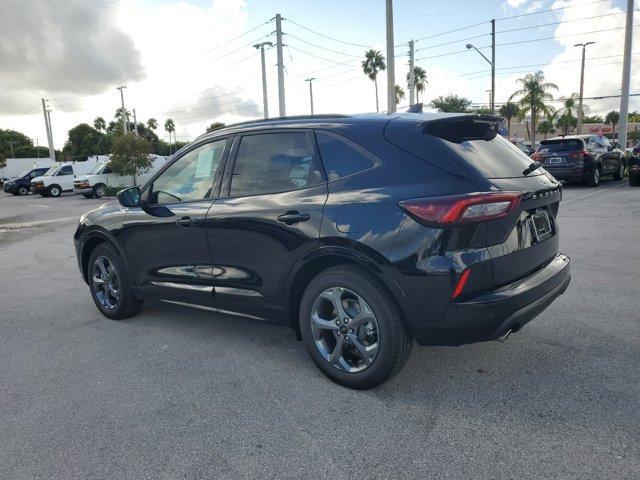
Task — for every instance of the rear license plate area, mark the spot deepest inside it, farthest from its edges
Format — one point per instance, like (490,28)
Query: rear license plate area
(555,160)
(542,228)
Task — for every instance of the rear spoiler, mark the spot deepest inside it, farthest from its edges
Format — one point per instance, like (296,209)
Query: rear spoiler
(465,127)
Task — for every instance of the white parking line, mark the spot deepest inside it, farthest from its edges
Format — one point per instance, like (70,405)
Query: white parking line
(590,194)
(40,206)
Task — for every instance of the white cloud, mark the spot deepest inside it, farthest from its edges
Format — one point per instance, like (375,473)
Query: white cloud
(515,3)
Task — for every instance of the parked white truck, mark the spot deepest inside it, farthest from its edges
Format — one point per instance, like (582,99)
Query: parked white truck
(93,183)
(59,178)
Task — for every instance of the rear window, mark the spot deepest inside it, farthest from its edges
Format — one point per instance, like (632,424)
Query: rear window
(564,145)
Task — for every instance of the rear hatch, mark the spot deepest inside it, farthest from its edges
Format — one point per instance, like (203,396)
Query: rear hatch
(469,147)
(559,153)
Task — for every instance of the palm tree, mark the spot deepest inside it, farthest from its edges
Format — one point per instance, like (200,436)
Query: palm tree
(170,127)
(152,124)
(419,80)
(545,127)
(99,124)
(508,111)
(372,64)
(534,96)
(612,118)
(399,94)
(118,114)
(571,106)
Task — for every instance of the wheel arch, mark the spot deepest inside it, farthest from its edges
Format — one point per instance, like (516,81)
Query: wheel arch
(93,239)
(319,260)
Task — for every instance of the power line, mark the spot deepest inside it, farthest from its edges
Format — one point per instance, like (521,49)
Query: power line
(317,56)
(250,44)
(326,36)
(549,10)
(447,32)
(201,99)
(453,41)
(558,23)
(240,36)
(557,36)
(320,47)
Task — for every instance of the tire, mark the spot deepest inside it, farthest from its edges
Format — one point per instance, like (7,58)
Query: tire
(22,191)
(382,333)
(594,178)
(634,181)
(118,301)
(619,175)
(54,191)
(98,191)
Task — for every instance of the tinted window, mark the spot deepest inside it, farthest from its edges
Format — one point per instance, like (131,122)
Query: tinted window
(341,159)
(40,172)
(66,170)
(189,178)
(564,145)
(274,162)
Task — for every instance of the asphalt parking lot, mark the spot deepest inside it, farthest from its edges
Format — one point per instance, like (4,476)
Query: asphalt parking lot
(181,393)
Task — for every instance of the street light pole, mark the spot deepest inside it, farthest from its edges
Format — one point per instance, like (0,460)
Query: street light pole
(412,79)
(124,112)
(626,78)
(391,75)
(584,46)
(265,100)
(13,155)
(493,70)
(282,109)
(310,80)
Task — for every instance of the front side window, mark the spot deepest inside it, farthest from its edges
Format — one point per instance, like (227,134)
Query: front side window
(66,170)
(190,178)
(274,162)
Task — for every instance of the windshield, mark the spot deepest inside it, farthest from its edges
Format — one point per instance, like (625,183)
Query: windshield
(97,169)
(560,145)
(52,171)
(24,173)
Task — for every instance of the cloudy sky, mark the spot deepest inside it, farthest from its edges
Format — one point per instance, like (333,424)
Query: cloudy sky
(192,60)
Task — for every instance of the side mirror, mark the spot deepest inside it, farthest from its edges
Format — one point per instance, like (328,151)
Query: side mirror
(129,197)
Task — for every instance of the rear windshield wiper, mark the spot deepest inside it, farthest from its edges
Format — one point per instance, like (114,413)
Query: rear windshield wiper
(534,166)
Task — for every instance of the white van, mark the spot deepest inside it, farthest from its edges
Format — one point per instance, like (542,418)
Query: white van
(93,183)
(59,178)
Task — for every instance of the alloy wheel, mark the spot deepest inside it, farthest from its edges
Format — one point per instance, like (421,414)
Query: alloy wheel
(596,176)
(106,283)
(55,192)
(23,191)
(345,329)
(100,192)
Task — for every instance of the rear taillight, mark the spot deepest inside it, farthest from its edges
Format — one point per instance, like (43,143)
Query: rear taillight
(580,154)
(536,156)
(461,209)
(463,279)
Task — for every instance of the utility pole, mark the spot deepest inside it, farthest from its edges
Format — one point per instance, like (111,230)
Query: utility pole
(310,80)
(124,112)
(53,148)
(584,46)
(265,100)
(135,122)
(391,76)
(52,153)
(281,102)
(412,80)
(626,78)
(493,65)
(13,155)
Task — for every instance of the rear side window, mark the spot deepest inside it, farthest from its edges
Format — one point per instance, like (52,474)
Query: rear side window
(274,162)
(341,157)
(564,145)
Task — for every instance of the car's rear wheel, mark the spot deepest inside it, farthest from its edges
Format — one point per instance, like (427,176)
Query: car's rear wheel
(110,287)
(54,191)
(352,328)
(594,178)
(22,190)
(619,175)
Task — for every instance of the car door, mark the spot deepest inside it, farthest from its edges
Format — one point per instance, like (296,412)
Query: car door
(165,237)
(65,177)
(267,217)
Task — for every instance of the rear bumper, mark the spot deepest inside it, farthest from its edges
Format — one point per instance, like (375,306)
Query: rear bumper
(569,173)
(489,315)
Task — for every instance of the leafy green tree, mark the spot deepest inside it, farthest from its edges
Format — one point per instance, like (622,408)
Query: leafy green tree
(566,122)
(545,127)
(83,141)
(420,81)
(214,126)
(130,156)
(612,118)
(592,119)
(152,124)
(399,94)
(3,160)
(509,110)
(571,106)
(99,124)
(481,111)
(15,143)
(373,63)
(451,103)
(534,97)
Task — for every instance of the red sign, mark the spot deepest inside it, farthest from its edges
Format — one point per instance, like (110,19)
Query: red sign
(600,130)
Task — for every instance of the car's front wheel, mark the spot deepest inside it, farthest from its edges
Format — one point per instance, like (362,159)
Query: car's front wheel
(594,178)
(109,284)
(22,191)
(619,175)
(54,191)
(352,328)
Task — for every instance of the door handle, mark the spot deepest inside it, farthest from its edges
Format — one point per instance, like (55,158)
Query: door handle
(292,217)
(187,222)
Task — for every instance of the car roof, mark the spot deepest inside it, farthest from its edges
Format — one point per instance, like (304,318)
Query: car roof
(570,137)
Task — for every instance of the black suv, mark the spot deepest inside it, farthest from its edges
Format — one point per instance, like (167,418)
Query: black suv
(584,158)
(21,184)
(362,233)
